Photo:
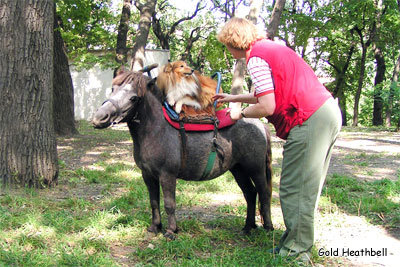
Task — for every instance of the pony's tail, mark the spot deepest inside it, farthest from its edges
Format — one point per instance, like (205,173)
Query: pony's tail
(268,171)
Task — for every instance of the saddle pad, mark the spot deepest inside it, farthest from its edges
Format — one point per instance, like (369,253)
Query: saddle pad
(224,121)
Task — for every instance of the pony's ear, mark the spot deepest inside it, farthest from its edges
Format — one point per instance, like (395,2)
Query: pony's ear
(152,83)
(167,67)
(119,71)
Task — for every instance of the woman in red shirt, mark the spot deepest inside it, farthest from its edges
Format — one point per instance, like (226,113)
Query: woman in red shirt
(303,112)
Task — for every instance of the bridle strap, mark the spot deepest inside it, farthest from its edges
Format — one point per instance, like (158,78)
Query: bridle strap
(129,116)
(115,104)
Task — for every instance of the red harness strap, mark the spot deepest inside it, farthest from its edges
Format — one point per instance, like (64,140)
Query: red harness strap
(224,121)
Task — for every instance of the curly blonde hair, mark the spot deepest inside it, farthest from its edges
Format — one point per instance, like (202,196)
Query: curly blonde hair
(239,33)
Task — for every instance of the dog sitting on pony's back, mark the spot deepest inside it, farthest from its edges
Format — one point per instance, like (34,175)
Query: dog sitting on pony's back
(187,90)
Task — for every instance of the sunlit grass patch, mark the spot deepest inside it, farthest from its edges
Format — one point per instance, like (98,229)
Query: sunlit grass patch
(15,255)
(81,256)
(370,199)
(86,129)
(190,193)
(63,221)
(217,247)
(108,173)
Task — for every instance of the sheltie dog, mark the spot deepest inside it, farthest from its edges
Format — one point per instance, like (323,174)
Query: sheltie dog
(186,89)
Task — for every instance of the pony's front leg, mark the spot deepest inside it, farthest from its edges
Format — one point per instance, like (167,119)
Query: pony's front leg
(168,185)
(153,186)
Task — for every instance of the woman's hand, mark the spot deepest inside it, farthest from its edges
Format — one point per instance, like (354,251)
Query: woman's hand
(222,97)
(235,113)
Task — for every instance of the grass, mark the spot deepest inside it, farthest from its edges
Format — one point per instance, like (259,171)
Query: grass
(35,231)
(99,214)
(378,201)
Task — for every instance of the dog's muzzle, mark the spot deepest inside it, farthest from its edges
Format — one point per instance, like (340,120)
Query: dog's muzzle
(189,73)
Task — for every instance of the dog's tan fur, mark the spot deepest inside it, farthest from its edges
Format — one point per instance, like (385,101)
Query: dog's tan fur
(186,89)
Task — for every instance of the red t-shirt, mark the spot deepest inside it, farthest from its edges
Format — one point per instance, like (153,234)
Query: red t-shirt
(298,93)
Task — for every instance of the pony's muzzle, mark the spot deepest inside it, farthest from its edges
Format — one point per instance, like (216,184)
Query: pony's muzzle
(101,119)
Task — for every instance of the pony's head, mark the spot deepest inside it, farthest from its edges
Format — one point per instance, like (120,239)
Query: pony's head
(128,88)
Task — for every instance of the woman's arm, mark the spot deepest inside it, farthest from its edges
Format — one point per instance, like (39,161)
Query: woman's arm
(244,98)
(265,107)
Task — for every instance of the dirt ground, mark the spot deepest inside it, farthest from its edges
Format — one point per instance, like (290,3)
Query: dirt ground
(360,153)
(365,156)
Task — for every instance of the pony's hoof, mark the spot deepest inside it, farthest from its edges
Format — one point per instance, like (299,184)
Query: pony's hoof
(247,229)
(245,232)
(154,229)
(269,228)
(170,235)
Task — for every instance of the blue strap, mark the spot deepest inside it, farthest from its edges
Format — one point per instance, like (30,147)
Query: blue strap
(218,74)
(171,112)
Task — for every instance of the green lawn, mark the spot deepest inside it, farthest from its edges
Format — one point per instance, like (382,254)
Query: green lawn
(99,213)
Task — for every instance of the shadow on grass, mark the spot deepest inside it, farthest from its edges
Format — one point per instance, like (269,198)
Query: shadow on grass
(92,145)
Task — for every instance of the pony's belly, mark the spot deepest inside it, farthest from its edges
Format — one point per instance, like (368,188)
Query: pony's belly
(201,175)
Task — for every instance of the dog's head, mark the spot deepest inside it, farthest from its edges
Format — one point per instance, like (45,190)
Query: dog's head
(180,68)
(175,73)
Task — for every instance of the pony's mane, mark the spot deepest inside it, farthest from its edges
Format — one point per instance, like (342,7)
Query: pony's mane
(135,78)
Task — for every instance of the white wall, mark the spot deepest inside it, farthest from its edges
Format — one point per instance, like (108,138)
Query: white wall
(92,87)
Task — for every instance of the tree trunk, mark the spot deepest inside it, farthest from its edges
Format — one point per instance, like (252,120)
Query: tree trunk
(121,51)
(360,85)
(340,83)
(377,118)
(364,46)
(339,93)
(343,107)
(187,56)
(275,19)
(28,153)
(393,86)
(146,11)
(63,91)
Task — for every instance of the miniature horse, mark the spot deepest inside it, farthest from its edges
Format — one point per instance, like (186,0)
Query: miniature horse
(244,149)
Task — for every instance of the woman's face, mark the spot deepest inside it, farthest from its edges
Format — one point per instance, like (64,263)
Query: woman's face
(236,53)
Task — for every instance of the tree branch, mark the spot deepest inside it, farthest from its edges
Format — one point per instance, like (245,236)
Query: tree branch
(174,25)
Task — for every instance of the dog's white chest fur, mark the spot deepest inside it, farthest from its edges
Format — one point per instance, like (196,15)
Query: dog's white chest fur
(183,93)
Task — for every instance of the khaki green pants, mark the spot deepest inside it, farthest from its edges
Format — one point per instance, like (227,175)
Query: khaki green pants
(306,156)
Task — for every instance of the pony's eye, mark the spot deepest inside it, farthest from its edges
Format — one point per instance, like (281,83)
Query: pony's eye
(114,88)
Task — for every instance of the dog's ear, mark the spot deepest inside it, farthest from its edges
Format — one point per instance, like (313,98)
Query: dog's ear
(168,67)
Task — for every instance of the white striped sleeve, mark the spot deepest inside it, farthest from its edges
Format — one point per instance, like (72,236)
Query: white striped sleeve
(261,76)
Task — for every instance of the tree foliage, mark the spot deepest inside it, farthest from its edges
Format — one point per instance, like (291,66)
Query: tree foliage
(337,38)
(88,25)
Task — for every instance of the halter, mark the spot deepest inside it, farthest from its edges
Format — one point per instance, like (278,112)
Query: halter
(118,110)
(129,116)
